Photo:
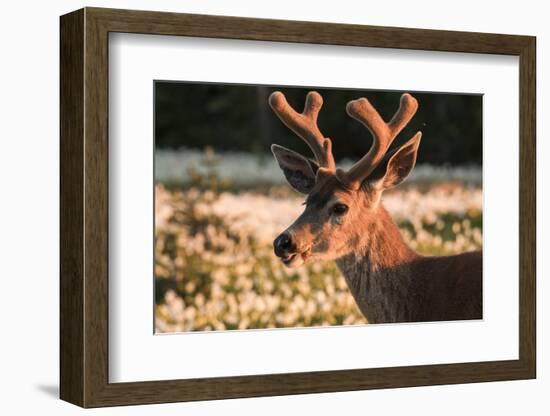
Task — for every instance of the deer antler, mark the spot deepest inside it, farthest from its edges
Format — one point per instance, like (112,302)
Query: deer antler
(304,125)
(383,135)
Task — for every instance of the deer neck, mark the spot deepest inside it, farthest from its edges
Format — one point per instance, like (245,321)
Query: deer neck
(378,271)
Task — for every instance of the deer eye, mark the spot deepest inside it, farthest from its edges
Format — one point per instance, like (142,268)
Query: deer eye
(339,209)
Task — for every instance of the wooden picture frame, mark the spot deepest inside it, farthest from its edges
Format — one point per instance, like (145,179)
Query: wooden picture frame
(84,207)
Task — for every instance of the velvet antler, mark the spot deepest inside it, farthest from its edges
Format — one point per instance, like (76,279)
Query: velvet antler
(383,135)
(305,126)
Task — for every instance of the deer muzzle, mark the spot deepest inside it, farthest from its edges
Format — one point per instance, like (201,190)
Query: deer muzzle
(286,249)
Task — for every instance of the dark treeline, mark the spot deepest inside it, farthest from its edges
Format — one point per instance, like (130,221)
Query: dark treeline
(238,118)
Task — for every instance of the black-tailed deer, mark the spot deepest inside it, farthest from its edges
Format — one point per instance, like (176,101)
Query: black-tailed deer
(344,220)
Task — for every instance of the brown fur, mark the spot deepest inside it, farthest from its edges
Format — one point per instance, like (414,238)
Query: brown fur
(389,281)
(392,283)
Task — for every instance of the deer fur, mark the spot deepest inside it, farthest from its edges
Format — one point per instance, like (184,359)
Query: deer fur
(389,281)
(392,283)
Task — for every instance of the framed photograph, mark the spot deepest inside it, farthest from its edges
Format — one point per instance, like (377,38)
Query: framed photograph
(256,207)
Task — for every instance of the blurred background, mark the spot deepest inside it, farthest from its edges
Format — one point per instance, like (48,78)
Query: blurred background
(220,200)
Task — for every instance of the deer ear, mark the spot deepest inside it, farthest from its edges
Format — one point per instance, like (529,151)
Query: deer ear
(398,166)
(299,171)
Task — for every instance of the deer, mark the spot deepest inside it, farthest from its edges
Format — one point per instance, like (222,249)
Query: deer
(345,221)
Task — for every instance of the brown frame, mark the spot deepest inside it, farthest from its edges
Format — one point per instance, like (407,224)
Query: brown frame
(84,209)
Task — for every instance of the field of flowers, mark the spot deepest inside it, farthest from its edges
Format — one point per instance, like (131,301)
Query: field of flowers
(214,264)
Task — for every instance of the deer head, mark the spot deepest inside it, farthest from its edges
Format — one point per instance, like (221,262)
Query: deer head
(340,206)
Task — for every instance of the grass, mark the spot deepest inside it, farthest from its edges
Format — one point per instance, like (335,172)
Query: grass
(215,268)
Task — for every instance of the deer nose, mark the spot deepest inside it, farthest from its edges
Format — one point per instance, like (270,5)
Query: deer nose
(283,244)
